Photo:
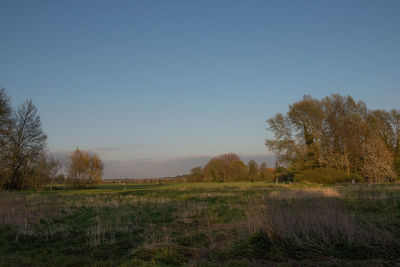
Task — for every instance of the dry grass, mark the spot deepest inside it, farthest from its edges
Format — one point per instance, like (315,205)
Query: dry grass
(305,193)
(314,218)
(21,210)
(196,224)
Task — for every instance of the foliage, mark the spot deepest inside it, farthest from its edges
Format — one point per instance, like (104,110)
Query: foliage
(196,174)
(333,133)
(377,164)
(45,172)
(226,167)
(84,169)
(282,174)
(229,167)
(252,170)
(324,176)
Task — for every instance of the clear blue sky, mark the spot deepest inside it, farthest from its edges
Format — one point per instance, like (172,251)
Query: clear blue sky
(172,79)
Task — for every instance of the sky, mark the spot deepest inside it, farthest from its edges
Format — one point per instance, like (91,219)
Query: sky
(149,85)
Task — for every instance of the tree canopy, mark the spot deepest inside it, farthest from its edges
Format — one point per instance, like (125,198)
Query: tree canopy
(84,169)
(337,132)
(229,167)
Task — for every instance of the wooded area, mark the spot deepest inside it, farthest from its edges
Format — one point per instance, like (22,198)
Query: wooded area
(338,134)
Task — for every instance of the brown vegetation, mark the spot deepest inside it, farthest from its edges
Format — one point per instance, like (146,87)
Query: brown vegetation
(338,133)
(229,167)
(84,169)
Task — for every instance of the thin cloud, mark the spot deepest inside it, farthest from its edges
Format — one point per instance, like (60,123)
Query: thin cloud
(106,149)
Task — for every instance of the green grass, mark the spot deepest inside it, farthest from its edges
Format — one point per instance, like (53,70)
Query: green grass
(202,224)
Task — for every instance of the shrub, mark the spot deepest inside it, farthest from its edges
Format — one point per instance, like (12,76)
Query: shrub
(283,175)
(324,175)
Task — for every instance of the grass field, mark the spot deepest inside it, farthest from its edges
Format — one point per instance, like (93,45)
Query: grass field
(202,224)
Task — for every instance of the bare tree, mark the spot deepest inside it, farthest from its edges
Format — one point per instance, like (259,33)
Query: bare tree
(27,145)
(84,169)
(5,127)
(5,117)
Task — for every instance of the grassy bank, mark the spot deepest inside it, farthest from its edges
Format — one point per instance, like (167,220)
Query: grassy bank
(202,224)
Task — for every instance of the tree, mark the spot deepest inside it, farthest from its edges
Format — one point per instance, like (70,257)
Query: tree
(196,175)
(5,128)
(395,124)
(226,167)
(53,170)
(307,117)
(333,133)
(214,170)
(84,169)
(377,166)
(238,171)
(266,174)
(286,144)
(252,170)
(5,117)
(346,126)
(44,172)
(27,143)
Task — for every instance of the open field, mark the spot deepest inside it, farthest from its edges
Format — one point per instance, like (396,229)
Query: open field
(202,224)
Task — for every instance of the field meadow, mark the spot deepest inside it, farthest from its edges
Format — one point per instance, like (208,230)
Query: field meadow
(202,224)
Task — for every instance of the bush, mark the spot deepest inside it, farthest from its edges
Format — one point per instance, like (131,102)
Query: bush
(282,175)
(324,176)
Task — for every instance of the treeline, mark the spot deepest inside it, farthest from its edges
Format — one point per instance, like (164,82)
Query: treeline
(24,160)
(334,139)
(228,168)
(337,139)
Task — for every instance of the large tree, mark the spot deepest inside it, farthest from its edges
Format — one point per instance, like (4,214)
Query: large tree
(27,143)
